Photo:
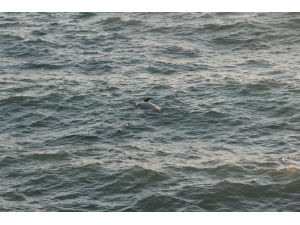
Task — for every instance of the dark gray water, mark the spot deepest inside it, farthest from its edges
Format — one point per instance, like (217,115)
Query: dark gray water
(71,138)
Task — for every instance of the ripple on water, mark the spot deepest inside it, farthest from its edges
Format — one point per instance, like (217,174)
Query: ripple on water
(71,138)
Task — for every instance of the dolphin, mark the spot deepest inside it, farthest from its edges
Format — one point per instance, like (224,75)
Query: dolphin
(148,105)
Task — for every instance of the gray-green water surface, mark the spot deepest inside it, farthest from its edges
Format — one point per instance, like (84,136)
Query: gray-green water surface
(227,139)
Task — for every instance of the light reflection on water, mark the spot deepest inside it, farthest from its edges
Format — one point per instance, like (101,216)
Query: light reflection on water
(71,138)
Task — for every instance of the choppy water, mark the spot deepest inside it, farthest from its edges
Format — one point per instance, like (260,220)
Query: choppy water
(227,139)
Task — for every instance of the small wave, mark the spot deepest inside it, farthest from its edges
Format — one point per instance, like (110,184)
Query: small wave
(13,196)
(20,100)
(80,139)
(160,203)
(256,63)
(93,65)
(46,122)
(85,15)
(161,30)
(157,70)
(8,160)
(112,20)
(9,24)
(214,113)
(260,86)
(133,22)
(177,50)
(24,51)
(46,66)
(238,44)
(39,33)
(59,155)
(11,38)
(118,36)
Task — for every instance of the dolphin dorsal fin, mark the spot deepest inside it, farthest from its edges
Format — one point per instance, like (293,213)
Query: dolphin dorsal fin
(147,99)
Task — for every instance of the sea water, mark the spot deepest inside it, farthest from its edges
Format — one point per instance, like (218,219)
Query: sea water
(72,139)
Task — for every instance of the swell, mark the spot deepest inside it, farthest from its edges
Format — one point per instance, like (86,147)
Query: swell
(73,140)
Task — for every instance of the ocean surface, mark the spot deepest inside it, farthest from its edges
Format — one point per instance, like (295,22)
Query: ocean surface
(227,139)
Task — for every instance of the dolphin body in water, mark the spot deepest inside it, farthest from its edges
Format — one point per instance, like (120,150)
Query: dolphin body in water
(148,105)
